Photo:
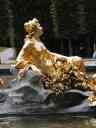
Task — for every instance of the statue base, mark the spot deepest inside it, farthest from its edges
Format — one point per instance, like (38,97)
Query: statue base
(27,97)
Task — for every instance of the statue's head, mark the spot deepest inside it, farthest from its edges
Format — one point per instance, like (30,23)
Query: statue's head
(33,27)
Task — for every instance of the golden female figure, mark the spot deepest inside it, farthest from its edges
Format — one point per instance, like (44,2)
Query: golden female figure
(61,72)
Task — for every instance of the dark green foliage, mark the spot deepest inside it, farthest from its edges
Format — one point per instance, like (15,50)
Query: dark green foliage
(60,19)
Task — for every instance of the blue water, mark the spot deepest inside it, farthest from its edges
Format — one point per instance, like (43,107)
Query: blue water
(76,122)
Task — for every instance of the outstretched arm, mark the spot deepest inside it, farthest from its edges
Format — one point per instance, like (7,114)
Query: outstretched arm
(59,55)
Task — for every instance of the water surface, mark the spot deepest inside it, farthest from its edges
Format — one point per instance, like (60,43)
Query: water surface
(69,122)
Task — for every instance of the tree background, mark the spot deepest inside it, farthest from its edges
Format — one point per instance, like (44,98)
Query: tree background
(69,25)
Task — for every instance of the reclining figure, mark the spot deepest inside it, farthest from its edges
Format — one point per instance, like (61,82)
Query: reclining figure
(58,72)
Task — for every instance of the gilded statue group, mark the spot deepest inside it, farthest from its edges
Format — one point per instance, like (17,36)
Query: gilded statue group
(58,73)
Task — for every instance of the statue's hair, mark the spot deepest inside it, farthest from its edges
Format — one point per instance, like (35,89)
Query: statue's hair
(31,25)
